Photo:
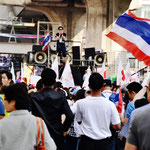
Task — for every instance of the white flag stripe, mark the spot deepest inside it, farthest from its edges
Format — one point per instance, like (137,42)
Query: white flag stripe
(134,38)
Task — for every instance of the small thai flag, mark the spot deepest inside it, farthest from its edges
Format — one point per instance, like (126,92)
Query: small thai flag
(45,42)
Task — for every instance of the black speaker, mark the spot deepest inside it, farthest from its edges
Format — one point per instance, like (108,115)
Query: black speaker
(76,55)
(89,52)
(77,75)
(36,48)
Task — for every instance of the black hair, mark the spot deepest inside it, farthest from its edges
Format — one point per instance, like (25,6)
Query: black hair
(60,28)
(19,93)
(68,93)
(58,85)
(96,81)
(140,102)
(107,83)
(8,74)
(48,77)
(134,86)
(39,85)
(80,94)
(126,99)
(123,90)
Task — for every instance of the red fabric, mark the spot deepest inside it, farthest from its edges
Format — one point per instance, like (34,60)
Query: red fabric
(45,48)
(105,74)
(123,75)
(137,18)
(131,47)
(120,102)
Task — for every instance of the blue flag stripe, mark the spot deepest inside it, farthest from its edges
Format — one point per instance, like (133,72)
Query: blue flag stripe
(45,40)
(140,28)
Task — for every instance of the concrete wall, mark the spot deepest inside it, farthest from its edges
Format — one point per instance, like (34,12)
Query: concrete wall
(15,48)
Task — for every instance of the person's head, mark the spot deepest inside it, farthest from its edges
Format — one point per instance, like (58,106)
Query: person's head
(68,96)
(16,97)
(96,82)
(60,29)
(48,77)
(87,92)
(114,87)
(107,84)
(133,88)
(39,85)
(57,85)
(79,95)
(6,78)
(123,91)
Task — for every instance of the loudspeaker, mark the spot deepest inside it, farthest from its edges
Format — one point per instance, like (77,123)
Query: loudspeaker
(40,57)
(36,58)
(30,58)
(76,55)
(99,58)
(53,45)
(89,52)
(36,48)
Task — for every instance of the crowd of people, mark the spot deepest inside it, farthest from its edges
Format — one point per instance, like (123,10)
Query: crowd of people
(73,118)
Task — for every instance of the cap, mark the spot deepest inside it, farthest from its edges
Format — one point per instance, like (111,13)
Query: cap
(60,28)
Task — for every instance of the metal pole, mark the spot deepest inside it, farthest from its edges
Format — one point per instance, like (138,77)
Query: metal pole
(139,70)
(38,32)
(48,61)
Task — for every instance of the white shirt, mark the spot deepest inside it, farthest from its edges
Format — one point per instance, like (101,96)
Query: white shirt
(18,131)
(96,114)
(107,93)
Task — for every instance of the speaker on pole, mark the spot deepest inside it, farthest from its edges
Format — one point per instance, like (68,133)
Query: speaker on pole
(76,55)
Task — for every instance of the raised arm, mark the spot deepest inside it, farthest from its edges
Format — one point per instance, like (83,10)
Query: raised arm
(141,93)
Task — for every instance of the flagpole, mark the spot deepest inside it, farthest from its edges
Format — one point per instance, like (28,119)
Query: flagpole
(139,70)
(48,61)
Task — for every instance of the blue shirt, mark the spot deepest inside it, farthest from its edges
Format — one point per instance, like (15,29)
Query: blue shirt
(2,110)
(130,108)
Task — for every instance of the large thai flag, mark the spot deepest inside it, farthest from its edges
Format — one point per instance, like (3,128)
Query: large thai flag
(133,34)
(45,42)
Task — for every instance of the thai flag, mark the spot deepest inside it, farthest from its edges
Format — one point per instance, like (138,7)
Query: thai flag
(133,34)
(45,42)
(120,101)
